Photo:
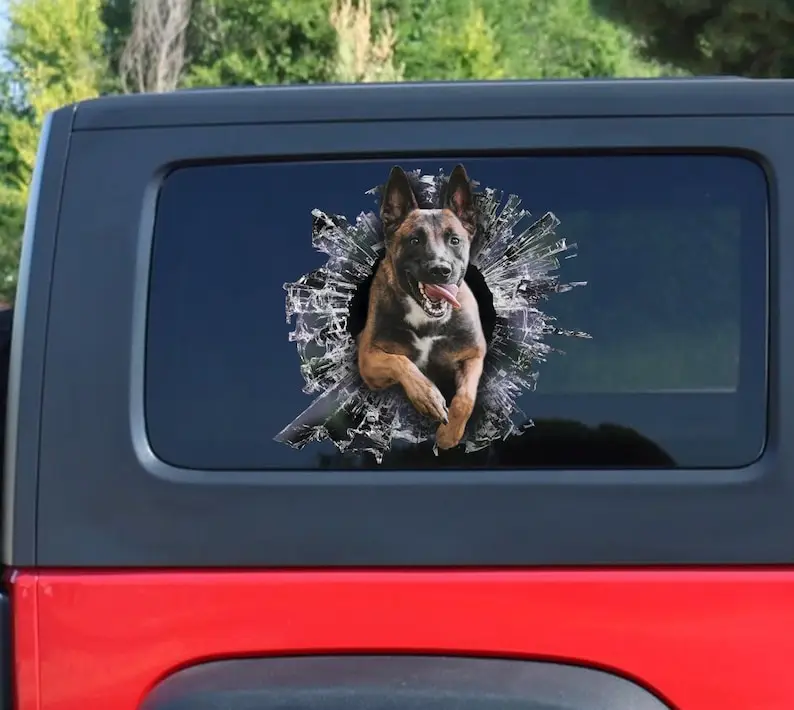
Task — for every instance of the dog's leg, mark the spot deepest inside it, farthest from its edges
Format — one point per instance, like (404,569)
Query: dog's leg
(380,369)
(460,409)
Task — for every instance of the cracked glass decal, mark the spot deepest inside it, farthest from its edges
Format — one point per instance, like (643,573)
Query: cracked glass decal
(516,257)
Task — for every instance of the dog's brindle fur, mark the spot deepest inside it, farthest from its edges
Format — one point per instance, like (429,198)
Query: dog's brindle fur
(401,343)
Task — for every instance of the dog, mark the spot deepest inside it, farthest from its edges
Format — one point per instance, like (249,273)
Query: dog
(423,324)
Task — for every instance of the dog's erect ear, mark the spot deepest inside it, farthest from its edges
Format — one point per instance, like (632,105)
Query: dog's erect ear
(398,199)
(460,199)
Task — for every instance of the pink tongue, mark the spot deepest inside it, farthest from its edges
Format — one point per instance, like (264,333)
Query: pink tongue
(447,292)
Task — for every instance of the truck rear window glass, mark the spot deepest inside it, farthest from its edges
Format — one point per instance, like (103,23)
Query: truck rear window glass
(624,319)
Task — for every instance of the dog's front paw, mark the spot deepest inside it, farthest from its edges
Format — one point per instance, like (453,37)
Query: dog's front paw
(449,435)
(427,399)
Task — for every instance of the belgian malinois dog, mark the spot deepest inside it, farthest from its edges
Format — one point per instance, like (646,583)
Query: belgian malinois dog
(423,324)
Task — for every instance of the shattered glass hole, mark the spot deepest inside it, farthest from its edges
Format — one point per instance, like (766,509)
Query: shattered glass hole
(512,270)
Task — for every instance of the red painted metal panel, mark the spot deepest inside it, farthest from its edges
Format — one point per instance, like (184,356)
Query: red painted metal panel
(701,639)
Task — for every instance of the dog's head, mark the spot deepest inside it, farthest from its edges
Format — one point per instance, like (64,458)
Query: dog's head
(429,248)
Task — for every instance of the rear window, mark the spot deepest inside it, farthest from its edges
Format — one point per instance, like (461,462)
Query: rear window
(631,334)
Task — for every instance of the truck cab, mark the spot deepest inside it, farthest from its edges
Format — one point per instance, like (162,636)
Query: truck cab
(209,503)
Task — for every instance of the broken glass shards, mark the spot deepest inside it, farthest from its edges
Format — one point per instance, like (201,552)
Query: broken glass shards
(518,260)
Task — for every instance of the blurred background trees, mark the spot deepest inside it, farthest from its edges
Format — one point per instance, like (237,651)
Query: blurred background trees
(60,51)
(735,37)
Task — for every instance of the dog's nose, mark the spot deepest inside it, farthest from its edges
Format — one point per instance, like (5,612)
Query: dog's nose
(440,270)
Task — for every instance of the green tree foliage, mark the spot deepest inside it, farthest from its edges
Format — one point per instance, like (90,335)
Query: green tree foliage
(363,54)
(255,42)
(472,48)
(489,39)
(447,40)
(741,37)
(564,39)
(54,58)
(242,42)
(116,18)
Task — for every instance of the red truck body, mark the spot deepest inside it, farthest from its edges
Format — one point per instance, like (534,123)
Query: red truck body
(698,639)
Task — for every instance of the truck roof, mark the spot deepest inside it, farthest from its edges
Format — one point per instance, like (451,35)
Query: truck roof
(696,96)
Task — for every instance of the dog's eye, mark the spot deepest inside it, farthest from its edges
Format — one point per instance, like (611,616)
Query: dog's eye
(454,241)
(415,240)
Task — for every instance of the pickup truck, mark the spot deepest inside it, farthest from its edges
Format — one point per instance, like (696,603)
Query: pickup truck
(310,404)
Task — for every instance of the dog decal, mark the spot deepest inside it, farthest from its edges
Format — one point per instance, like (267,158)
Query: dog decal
(391,331)
(423,324)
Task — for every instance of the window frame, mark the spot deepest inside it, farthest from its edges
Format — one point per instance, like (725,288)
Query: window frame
(746,402)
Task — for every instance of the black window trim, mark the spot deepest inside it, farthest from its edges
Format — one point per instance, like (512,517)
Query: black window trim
(157,466)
